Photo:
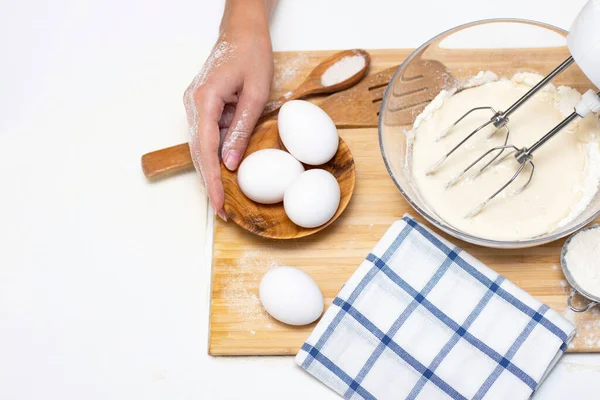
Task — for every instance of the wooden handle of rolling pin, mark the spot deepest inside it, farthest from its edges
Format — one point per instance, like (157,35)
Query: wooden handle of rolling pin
(167,161)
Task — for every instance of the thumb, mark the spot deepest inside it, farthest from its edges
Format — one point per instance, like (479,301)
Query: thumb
(247,113)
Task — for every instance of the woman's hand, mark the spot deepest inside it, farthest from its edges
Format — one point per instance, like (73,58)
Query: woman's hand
(227,97)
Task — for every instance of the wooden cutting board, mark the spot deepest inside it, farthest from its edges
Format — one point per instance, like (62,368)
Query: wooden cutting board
(238,324)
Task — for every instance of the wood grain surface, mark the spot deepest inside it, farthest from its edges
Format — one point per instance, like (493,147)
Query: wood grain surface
(239,326)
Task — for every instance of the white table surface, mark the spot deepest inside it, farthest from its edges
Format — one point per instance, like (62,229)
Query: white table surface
(103,277)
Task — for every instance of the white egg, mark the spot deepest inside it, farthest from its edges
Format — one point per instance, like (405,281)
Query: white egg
(291,296)
(264,175)
(312,199)
(307,132)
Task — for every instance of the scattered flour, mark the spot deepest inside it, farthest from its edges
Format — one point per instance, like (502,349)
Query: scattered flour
(592,341)
(342,70)
(240,286)
(287,70)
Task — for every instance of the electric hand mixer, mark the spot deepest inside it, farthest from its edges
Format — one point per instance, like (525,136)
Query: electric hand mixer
(584,45)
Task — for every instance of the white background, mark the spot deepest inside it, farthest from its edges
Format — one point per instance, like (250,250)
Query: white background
(103,277)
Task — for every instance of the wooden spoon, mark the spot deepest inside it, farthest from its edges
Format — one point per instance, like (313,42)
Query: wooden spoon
(270,220)
(313,83)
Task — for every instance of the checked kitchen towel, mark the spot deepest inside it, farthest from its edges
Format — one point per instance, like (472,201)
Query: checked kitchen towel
(421,318)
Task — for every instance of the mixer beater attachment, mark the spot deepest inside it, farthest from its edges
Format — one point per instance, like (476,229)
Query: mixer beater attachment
(499,119)
(590,102)
(583,42)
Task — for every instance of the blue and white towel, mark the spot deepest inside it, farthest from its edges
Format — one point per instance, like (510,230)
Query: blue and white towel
(421,318)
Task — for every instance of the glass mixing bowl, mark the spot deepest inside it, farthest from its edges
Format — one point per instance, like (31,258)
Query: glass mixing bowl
(504,46)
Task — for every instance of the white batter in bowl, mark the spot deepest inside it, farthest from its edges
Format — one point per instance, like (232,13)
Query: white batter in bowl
(567,167)
(458,55)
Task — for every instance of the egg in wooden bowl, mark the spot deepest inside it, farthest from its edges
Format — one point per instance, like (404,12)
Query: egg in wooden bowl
(271,220)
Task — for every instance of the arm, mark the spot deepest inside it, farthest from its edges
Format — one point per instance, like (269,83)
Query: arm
(227,97)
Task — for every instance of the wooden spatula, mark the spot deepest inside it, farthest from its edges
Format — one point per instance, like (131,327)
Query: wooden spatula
(357,107)
(415,88)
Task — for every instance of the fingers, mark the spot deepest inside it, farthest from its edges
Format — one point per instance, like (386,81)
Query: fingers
(247,113)
(227,116)
(204,145)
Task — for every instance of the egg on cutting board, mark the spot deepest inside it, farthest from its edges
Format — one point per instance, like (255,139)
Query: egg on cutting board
(264,175)
(307,132)
(291,296)
(312,198)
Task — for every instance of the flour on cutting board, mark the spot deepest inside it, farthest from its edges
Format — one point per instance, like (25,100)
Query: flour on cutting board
(287,70)
(587,332)
(245,302)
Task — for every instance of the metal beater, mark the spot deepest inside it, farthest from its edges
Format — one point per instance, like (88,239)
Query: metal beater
(590,102)
(499,118)
(584,44)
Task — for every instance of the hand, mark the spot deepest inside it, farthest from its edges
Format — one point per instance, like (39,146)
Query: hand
(227,97)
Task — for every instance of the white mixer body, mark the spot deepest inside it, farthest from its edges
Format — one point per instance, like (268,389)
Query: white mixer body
(584,41)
